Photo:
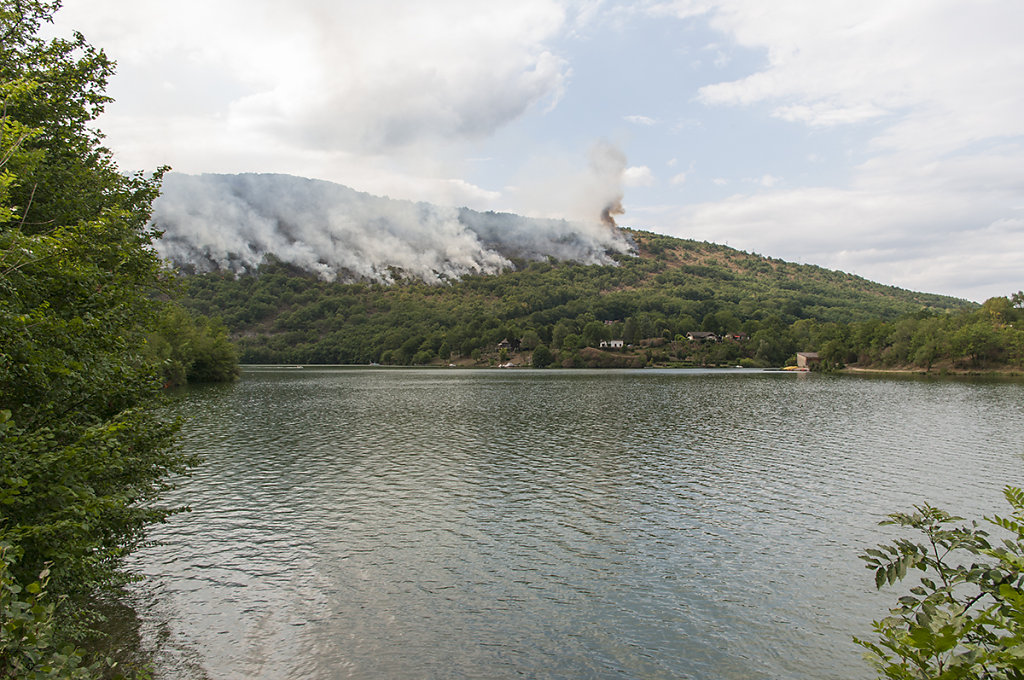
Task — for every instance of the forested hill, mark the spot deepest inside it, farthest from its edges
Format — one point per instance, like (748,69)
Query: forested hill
(281,313)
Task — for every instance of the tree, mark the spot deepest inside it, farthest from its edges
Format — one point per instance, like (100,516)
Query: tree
(191,348)
(965,617)
(542,357)
(560,331)
(572,342)
(530,340)
(629,331)
(593,333)
(84,453)
(977,341)
(998,309)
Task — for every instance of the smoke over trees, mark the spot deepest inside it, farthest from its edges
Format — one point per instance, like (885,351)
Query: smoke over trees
(234,221)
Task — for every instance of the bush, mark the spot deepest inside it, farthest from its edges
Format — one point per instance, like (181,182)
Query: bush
(28,636)
(965,617)
(542,357)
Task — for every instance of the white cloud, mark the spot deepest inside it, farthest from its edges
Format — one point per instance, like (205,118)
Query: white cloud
(638,176)
(232,84)
(943,66)
(641,120)
(682,8)
(766,181)
(823,114)
(679,179)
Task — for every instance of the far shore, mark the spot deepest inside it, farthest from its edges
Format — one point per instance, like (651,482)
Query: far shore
(1008,371)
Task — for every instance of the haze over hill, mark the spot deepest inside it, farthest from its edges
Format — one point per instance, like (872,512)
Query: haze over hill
(234,221)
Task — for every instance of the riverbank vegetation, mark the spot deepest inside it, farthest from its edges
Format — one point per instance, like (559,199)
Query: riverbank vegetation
(88,335)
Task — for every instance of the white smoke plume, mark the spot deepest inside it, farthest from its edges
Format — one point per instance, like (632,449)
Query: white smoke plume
(233,222)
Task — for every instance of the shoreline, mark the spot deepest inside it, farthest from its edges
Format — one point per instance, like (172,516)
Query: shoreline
(937,372)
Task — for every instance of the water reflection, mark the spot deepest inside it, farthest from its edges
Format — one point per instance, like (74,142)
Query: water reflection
(416,523)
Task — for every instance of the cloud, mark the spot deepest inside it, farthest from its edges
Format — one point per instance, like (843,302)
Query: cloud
(638,176)
(640,120)
(236,84)
(390,74)
(766,181)
(944,64)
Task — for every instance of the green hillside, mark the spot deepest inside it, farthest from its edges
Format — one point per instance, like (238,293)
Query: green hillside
(671,287)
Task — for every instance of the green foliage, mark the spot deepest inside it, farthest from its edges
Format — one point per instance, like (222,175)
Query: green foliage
(280,314)
(542,357)
(84,453)
(191,348)
(964,618)
(29,639)
(572,342)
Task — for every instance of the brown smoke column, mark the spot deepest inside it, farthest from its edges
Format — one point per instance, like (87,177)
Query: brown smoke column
(610,210)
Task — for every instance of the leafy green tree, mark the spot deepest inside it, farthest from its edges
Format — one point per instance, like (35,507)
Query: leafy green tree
(65,175)
(998,309)
(563,328)
(965,616)
(84,453)
(976,341)
(593,333)
(542,357)
(629,331)
(190,348)
(572,342)
(530,340)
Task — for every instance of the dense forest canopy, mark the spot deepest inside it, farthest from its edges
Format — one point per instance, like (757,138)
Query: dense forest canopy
(769,308)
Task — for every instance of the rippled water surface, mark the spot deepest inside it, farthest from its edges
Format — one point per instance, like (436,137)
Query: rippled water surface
(375,523)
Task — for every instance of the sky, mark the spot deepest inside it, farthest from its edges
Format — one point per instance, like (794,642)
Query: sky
(883,138)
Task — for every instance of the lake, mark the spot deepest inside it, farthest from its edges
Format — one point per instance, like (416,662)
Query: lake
(431,523)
